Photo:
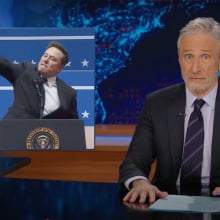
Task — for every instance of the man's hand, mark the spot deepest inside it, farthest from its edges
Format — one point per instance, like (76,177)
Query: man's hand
(216,191)
(143,190)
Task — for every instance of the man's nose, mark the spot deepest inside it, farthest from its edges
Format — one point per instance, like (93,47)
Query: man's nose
(46,59)
(196,65)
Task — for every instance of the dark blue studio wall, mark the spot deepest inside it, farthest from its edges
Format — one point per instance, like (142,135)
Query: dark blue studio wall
(135,43)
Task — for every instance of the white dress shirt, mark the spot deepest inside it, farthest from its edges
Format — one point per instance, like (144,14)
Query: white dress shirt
(52,101)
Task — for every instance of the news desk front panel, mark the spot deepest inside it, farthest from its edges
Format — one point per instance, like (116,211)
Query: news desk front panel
(53,200)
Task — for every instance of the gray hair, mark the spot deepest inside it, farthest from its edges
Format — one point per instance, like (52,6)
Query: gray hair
(201,25)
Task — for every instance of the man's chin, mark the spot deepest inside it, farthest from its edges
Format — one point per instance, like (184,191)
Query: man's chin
(197,90)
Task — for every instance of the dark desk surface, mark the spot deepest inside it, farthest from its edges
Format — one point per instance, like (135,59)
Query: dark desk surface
(63,200)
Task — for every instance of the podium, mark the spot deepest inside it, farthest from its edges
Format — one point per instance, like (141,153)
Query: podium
(9,164)
(42,134)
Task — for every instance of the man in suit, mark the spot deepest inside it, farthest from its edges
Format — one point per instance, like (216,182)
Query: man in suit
(38,92)
(163,122)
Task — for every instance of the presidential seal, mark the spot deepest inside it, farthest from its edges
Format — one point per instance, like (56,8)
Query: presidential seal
(42,139)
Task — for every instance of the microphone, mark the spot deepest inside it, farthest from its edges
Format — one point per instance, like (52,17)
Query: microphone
(38,84)
(35,82)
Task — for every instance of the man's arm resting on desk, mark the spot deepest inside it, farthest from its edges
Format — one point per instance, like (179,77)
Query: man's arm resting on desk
(141,190)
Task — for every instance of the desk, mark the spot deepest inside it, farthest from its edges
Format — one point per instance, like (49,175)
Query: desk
(68,200)
(92,166)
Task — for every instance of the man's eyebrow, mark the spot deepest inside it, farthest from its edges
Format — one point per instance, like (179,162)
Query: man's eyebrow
(49,55)
(206,50)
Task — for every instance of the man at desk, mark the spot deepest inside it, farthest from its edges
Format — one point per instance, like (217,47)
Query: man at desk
(38,92)
(179,126)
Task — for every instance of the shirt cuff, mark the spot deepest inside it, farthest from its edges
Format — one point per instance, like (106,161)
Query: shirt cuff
(128,181)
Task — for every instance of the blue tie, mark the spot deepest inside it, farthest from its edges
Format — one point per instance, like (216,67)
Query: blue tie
(193,149)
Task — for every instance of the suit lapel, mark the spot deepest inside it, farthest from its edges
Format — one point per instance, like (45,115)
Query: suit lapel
(60,93)
(176,115)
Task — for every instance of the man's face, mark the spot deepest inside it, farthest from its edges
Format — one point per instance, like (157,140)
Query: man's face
(50,63)
(199,59)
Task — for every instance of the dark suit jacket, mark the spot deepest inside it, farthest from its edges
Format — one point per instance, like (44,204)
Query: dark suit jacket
(159,135)
(26,103)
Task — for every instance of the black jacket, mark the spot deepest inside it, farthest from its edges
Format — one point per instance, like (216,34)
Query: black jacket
(26,103)
(159,135)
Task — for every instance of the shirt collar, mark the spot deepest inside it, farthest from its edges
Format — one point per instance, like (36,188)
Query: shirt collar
(209,98)
(52,81)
